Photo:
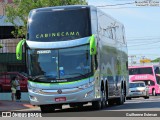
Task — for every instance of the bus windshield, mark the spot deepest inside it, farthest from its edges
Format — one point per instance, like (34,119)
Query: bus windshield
(136,71)
(60,64)
(134,85)
(53,25)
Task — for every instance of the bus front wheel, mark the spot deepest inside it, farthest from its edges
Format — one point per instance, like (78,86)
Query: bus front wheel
(1,90)
(47,108)
(154,92)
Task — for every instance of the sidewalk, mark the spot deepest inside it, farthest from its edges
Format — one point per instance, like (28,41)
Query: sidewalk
(11,106)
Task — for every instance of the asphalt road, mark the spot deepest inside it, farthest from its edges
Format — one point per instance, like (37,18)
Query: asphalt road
(136,106)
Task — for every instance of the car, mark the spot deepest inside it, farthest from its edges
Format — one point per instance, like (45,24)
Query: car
(5,78)
(138,89)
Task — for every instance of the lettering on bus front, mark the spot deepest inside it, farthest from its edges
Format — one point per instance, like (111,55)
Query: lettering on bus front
(57,34)
(141,77)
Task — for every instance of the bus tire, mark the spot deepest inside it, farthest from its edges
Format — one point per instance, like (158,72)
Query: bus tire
(129,98)
(1,90)
(97,105)
(47,108)
(76,105)
(120,101)
(147,97)
(103,101)
(125,92)
(111,102)
(154,92)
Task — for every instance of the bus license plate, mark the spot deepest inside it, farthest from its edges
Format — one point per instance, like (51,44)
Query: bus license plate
(60,99)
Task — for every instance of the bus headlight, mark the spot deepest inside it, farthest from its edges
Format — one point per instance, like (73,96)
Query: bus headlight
(86,85)
(33,89)
(142,90)
(33,98)
(36,90)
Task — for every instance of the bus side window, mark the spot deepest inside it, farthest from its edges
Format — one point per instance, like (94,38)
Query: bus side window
(96,62)
(126,65)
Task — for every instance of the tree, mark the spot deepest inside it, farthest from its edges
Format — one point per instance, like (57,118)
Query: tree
(20,9)
(156,60)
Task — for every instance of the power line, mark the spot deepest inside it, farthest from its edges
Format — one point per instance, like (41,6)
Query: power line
(148,45)
(145,44)
(116,4)
(129,37)
(143,39)
(135,7)
(145,48)
(121,4)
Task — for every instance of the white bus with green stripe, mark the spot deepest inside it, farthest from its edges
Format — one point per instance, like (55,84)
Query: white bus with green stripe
(75,55)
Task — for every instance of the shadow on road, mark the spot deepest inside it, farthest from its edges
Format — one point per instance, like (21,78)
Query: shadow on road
(11,106)
(137,106)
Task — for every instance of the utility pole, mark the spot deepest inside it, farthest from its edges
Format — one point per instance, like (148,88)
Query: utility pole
(143,60)
(132,56)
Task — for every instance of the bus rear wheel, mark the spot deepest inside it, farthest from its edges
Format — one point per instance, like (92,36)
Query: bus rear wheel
(101,103)
(96,105)
(47,108)
(120,101)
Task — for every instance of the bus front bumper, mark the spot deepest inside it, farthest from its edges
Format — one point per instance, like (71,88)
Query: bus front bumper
(62,96)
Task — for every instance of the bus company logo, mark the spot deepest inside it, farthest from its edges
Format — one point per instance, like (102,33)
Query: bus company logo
(43,51)
(59,91)
(56,34)
(147,3)
(141,77)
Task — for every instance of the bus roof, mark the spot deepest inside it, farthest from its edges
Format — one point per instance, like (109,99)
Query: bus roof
(67,7)
(71,7)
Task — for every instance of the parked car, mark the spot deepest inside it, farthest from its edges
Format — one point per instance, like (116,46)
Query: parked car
(5,78)
(138,89)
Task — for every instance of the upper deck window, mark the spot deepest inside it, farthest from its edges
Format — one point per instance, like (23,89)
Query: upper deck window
(62,25)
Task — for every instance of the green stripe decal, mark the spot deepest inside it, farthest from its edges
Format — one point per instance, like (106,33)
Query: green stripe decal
(64,83)
(19,49)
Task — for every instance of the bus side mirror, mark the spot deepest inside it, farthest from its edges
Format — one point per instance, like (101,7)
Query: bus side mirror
(93,49)
(19,49)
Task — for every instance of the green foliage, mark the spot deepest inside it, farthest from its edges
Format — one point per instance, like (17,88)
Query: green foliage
(156,60)
(21,8)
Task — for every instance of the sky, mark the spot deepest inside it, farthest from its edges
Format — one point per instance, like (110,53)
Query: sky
(142,25)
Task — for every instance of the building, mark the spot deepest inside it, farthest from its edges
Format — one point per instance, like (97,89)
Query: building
(8,61)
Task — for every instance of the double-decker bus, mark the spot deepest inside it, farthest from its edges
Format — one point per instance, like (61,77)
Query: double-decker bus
(75,55)
(150,74)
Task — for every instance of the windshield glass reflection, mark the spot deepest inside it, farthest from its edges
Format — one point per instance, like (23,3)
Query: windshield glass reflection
(60,64)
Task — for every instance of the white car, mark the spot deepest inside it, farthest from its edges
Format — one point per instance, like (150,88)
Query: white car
(138,89)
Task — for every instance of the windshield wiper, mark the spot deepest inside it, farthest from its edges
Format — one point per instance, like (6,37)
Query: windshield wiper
(51,76)
(36,77)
